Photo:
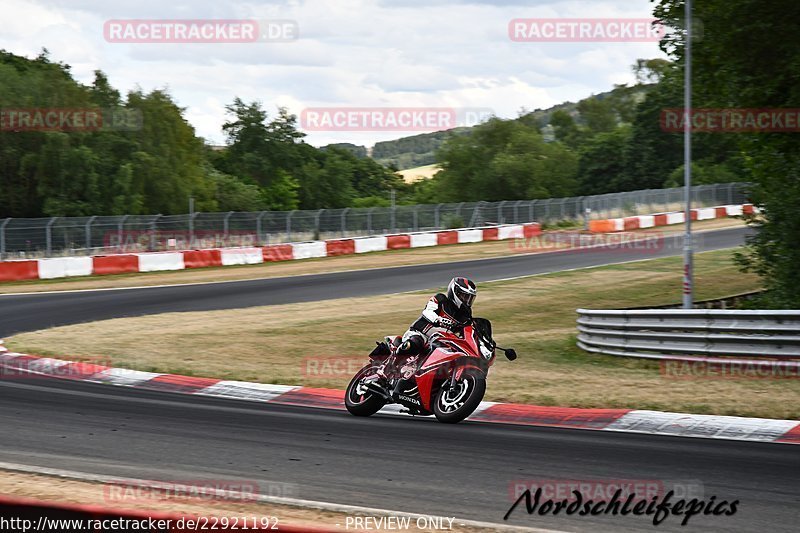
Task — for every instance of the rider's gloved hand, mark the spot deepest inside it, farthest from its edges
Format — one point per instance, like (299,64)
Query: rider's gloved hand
(411,346)
(405,348)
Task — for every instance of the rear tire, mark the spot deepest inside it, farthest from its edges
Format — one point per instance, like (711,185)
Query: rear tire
(453,406)
(359,402)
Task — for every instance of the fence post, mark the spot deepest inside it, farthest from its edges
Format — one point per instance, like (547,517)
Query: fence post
(516,211)
(49,236)
(416,218)
(191,229)
(226,226)
(153,230)
(289,225)
(458,210)
(369,220)
(344,221)
(730,193)
(3,238)
(119,232)
(89,234)
(317,235)
(437,216)
(500,212)
(258,228)
(473,221)
(531,210)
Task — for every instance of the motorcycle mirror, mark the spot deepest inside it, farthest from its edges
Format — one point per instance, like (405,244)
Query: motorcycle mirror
(511,354)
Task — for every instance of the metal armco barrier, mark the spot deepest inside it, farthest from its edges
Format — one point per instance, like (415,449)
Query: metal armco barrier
(677,333)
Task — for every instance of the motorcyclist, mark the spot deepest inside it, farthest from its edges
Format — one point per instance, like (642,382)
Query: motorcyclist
(443,313)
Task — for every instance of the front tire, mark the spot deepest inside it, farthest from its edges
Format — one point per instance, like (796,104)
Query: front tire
(360,402)
(457,403)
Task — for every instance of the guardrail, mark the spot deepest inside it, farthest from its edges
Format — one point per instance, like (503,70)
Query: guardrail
(684,333)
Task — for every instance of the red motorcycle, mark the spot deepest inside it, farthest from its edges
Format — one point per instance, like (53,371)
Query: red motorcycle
(447,381)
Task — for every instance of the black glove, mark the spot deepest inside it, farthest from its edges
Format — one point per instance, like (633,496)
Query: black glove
(412,346)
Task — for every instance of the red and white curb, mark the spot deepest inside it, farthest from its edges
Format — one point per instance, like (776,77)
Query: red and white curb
(62,267)
(611,225)
(14,365)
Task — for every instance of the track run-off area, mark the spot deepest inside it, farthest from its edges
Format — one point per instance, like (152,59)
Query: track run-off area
(412,465)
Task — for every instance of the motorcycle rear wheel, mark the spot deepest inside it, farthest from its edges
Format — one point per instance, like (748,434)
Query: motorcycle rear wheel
(454,404)
(359,402)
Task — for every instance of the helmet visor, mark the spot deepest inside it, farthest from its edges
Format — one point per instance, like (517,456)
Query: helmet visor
(466,298)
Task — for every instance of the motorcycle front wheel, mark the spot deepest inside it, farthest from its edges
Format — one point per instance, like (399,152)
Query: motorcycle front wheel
(359,400)
(454,404)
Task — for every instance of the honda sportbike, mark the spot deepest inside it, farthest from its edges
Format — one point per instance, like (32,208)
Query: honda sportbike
(448,380)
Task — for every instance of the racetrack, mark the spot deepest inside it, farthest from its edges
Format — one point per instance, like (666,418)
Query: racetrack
(26,312)
(392,463)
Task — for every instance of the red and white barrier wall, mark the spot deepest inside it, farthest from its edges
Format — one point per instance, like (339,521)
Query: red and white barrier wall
(62,267)
(666,219)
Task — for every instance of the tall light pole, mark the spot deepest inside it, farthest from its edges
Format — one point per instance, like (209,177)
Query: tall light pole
(688,266)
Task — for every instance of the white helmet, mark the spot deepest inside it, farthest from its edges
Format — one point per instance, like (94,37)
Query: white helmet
(462,292)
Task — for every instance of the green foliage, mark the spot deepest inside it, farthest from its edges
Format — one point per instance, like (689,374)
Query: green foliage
(371,201)
(503,160)
(413,151)
(266,165)
(602,161)
(749,58)
(451,221)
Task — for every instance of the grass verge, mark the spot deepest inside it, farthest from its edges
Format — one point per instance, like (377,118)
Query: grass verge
(293,344)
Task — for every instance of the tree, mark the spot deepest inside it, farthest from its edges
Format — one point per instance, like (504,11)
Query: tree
(504,160)
(749,58)
(601,166)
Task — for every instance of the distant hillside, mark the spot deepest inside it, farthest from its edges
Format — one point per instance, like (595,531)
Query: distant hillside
(355,149)
(420,150)
(414,151)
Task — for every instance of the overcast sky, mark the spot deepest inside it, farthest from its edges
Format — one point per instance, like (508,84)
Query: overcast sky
(350,53)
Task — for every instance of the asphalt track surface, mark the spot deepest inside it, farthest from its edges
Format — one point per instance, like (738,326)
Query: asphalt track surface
(412,465)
